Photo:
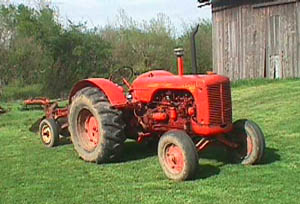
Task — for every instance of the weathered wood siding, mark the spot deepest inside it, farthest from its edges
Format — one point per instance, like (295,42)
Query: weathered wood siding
(257,40)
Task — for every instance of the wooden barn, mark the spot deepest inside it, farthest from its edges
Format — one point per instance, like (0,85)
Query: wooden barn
(256,38)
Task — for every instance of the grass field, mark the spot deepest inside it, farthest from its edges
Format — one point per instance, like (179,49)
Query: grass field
(30,173)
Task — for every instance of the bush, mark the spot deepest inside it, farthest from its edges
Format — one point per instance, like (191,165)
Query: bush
(36,49)
(16,91)
(203,46)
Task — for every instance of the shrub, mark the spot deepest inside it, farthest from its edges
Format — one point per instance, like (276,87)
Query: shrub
(17,91)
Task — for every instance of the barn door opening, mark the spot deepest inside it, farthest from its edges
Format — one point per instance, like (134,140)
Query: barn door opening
(274,51)
(275,65)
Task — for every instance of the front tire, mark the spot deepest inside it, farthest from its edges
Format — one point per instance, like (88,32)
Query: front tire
(251,142)
(97,129)
(49,132)
(177,155)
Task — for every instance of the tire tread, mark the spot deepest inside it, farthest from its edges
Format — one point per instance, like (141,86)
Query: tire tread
(111,122)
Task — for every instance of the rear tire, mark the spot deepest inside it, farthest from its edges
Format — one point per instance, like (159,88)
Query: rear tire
(177,155)
(97,129)
(49,132)
(251,140)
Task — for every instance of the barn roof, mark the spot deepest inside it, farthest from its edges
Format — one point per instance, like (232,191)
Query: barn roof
(225,3)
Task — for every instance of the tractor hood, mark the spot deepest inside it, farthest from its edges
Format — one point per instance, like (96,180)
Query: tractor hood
(147,84)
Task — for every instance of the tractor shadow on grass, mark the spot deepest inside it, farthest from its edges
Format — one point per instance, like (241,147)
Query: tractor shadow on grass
(35,126)
(217,156)
(64,141)
(2,110)
(134,151)
(216,153)
(211,160)
(206,170)
(221,155)
(271,156)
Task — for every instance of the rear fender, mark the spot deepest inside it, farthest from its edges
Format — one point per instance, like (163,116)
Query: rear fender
(114,93)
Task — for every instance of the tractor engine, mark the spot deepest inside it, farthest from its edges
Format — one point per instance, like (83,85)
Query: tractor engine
(168,110)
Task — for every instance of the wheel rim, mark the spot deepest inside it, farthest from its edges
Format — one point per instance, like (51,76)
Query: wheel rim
(174,158)
(246,145)
(249,146)
(46,134)
(89,131)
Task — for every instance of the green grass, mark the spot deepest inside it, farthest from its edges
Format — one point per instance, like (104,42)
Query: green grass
(17,91)
(30,173)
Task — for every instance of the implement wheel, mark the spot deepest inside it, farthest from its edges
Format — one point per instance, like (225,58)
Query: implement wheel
(251,142)
(49,133)
(97,129)
(177,155)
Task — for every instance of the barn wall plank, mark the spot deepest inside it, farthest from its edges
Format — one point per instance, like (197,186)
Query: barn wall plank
(248,42)
(245,54)
(258,52)
(232,44)
(240,44)
(227,42)
(214,42)
(267,42)
(221,41)
(236,45)
(298,38)
(256,42)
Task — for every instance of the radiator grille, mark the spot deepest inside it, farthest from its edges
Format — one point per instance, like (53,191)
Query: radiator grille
(219,100)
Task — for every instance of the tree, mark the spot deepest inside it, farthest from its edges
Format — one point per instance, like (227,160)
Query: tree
(40,50)
(143,46)
(203,46)
(36,49)
(78,54)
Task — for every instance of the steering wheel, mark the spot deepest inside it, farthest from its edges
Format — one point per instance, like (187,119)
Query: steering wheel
(121,75)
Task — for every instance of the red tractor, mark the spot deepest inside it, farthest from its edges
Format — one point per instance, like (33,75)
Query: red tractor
(185,113)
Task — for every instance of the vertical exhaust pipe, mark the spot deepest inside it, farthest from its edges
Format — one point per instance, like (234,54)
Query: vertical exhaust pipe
(193,49)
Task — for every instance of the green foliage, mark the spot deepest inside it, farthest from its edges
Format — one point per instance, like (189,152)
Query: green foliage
(143,46)
(22,55)
(203,46)
(149,45)
(27,61)
(36,49)
(13,91)
(31,173)
(78,54)
(39,50)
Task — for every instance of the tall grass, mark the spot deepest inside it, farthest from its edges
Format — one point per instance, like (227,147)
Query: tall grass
(17,92)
